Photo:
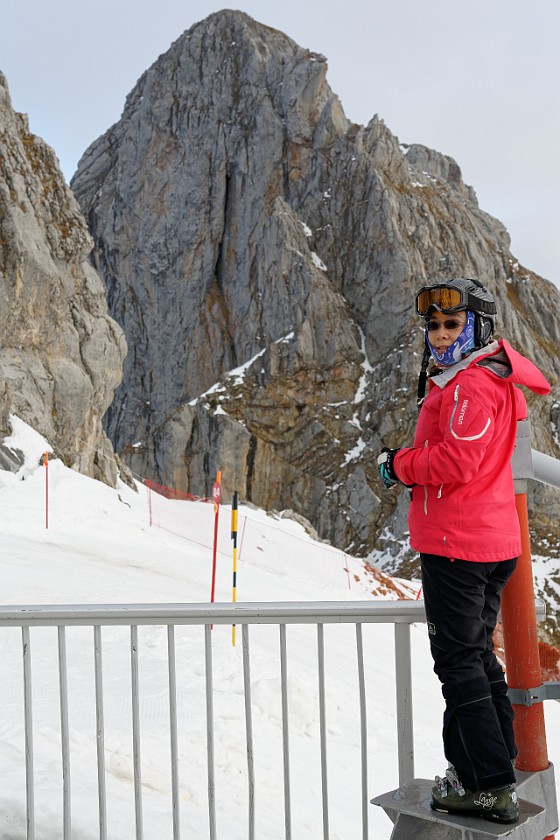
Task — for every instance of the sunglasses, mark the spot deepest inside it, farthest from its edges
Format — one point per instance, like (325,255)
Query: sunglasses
(449,324)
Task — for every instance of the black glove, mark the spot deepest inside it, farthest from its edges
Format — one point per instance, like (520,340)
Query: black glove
(385,467)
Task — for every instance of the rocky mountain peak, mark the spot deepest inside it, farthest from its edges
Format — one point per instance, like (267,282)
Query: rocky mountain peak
(61,353)
(261,253)
(439,168)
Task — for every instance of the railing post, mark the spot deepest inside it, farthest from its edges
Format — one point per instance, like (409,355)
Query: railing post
(136,759)
(403,674)
(100,732)
(64,733)
(521,644)
(285,732)
(249,728)
(210,731)
(28,718)
(323,727)
(173,729)
(363,730)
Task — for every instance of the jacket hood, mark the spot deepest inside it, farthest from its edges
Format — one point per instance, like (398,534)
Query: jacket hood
(521,370)
(500,358)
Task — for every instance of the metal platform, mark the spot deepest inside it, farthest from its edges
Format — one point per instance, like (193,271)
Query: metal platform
(409,809)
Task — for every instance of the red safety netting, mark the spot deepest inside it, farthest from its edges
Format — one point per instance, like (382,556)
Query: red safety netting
(549,657)
(170,493)
(550,663)
(277,545)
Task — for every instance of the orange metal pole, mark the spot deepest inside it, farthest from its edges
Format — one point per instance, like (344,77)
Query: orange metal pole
(521,647)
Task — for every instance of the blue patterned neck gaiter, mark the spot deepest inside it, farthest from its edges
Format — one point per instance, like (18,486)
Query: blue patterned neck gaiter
(460,348)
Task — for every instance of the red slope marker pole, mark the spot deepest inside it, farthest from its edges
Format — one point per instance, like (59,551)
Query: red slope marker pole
(234,539)
(216,496)
(46,490)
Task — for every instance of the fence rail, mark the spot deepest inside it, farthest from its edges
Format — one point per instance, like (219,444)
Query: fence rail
(269,612)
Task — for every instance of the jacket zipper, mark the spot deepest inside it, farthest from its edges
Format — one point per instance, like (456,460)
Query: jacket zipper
(426,488)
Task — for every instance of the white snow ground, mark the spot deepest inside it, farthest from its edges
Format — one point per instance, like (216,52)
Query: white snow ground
(99,548)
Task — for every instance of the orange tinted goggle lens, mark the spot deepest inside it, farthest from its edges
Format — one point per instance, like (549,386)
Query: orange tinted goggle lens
(444,299)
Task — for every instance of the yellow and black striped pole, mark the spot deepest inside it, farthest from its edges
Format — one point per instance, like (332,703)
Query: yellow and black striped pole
(234,538)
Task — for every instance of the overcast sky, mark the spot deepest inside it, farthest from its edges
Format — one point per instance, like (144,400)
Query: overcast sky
(476,80)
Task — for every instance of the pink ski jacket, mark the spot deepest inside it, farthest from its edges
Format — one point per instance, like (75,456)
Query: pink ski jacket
(463,500)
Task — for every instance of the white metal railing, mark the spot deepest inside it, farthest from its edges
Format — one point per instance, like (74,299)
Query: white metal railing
(400,613)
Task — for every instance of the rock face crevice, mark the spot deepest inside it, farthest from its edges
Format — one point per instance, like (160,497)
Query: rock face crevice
(61,353)
(261,254)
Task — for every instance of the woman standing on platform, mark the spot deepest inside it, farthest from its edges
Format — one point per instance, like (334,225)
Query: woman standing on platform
(463,522)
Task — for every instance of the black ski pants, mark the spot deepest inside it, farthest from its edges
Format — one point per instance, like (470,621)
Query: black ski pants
(462,600)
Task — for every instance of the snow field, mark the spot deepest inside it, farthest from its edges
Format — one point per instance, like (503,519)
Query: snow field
(99,548)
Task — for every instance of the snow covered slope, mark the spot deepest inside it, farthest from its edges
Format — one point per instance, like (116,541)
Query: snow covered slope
(100,548)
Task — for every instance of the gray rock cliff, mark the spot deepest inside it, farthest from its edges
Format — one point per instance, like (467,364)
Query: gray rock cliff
(261,253)
(60,353)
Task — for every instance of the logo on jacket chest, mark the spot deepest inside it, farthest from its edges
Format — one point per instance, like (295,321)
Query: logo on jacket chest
(462,412)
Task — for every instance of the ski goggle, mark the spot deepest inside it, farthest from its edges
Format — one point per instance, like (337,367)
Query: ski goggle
(453,299)
(444,298)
